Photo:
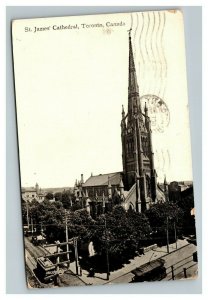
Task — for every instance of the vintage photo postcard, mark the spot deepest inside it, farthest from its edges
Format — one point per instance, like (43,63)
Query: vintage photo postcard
(104,149)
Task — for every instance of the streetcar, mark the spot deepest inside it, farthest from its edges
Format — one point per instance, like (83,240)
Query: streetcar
(151,271)
(38,240)
(45,269)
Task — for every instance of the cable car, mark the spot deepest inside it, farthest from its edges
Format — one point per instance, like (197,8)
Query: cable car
(45,268)
(151,271)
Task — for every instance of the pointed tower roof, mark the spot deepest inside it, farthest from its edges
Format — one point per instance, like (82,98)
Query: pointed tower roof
(133,89)
(146,109)
(165,184)
(123,112)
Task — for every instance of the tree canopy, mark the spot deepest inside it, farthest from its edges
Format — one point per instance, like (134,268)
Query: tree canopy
(163,216)
(49,196)
(123,232)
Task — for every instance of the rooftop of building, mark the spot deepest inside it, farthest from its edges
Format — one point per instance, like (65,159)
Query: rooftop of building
(103,179)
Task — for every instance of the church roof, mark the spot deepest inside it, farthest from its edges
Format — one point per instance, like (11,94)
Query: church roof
(130,197)
(102,179)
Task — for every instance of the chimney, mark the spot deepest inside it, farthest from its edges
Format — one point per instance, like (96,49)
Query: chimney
(82,179)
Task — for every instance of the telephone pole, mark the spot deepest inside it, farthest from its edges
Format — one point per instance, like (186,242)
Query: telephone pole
(32,226)
(107,254)
(76,255)
(103,203)
(57,264)
(175,234)
(28,221)
(167,232)
(67,239)
(41,228)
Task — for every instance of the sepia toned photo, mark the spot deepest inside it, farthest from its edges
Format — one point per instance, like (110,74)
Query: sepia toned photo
(104,149)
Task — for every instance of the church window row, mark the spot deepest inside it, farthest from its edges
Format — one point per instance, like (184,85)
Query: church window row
(99,190)
(130,147)
(92,192)
(145,146)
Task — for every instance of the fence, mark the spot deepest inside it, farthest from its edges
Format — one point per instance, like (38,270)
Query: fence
(181,268)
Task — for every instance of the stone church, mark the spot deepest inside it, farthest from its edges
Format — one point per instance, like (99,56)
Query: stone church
(136,186)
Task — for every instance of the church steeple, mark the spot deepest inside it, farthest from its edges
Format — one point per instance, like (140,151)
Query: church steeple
(137,153)
(133,89)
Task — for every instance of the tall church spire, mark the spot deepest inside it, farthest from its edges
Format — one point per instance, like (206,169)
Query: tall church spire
(137,153)
(133,88)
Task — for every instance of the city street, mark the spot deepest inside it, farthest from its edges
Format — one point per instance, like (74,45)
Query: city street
(175,262)
(180,258)
(35,251)
(32,252)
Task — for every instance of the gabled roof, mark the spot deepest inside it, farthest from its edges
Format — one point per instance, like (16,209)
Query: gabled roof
(130,196)
(102,179)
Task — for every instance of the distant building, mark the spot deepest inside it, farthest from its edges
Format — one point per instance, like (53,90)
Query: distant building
(32,193)
(179,190)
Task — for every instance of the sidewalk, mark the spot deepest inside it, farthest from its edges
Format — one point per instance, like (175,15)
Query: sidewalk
(124,274)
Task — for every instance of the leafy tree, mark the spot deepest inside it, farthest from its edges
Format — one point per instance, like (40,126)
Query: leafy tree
(163,216)
(49,196)
(49,216)
(186,203)
(66,199)
(81,225)
(140,227)
(76,206)
(58,196)
(53,220)
(122,232)
(24,212)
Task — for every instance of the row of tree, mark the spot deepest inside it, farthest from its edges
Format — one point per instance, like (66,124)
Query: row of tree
(66,197)
(122,232)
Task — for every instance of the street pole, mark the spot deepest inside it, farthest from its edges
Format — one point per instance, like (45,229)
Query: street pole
(76,255)
(56,278)
(67,239)
(41,228)
(103,203)
(28,221)
(175,235)
(107,254)
(32,226)
(167,231)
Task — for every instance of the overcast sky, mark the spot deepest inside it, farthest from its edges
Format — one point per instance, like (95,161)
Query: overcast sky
(71,84)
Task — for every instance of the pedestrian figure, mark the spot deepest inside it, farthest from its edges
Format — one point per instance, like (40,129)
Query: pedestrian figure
(91,272)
